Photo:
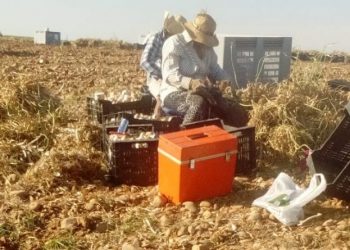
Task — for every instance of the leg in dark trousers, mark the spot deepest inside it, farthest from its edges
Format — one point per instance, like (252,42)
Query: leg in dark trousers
(192,107)
(231,112)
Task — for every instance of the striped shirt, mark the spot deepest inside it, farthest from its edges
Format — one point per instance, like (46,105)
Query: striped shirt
(151,58)
(181,63)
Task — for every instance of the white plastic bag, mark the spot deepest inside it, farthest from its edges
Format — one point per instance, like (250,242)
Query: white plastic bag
(285,200)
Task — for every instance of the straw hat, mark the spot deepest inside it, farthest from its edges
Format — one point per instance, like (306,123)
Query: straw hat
(173,24)
(202,30)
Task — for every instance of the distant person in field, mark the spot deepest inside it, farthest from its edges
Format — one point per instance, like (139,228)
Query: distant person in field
(151,58)
(192,79)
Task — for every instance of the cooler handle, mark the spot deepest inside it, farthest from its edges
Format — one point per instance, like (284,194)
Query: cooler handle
(193,161)
(197,136)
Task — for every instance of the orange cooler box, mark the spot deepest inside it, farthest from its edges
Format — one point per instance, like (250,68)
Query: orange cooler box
(196,164)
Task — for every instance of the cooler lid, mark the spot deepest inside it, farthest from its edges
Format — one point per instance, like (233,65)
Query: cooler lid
(197,143)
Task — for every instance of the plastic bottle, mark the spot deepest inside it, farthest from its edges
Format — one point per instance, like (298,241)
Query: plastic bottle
(123,126)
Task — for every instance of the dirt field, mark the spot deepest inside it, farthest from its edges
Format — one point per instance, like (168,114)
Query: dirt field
(52,191)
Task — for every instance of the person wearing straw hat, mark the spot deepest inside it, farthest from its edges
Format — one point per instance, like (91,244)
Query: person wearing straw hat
(190,70)
(152,54)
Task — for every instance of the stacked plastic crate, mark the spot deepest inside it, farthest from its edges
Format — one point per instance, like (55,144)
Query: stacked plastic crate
(248,59)
(333,159)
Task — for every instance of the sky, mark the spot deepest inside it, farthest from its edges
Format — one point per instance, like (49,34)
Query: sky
(314,24)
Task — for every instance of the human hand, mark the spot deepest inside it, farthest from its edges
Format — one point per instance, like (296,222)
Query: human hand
(196,84)
(223,85)
(200,87)
(210,82)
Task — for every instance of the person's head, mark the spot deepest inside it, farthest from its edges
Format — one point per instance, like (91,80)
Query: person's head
(202,29)
(173,24)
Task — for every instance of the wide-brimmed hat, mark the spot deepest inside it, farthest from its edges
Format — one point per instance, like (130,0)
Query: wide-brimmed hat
(173,24)
(202,29)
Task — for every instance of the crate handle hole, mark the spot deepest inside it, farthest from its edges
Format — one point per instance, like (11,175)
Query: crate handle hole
(139,145)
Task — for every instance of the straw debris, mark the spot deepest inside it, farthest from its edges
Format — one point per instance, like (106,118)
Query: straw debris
(296,114)
(52,167)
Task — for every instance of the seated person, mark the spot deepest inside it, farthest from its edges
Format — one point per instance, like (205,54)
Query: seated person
(189,61)
(151,58)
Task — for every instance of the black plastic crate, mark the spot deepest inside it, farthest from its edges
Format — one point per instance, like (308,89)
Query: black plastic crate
(333,159)
(246,151)
(170,124)
(109,129)
(208,122)
(97,109)
(93,109)
(132,162)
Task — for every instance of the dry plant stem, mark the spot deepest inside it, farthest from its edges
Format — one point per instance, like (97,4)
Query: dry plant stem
(150,226)
(302,222)
(36,139)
